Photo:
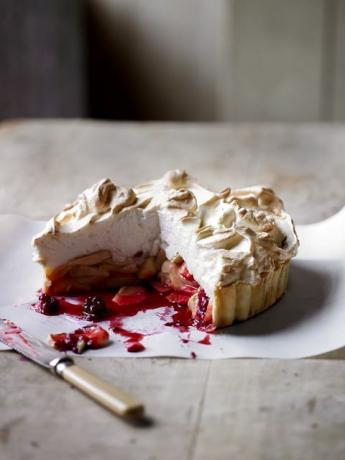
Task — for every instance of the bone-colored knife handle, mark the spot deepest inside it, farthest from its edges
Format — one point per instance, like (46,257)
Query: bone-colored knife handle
(105,394)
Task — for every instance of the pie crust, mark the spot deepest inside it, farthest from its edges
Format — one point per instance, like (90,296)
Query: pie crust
(241,301)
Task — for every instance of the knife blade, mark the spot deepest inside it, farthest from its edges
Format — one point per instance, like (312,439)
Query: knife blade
(63,366)
(17,339)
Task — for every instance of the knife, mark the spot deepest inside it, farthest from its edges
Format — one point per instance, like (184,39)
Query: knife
(61,365)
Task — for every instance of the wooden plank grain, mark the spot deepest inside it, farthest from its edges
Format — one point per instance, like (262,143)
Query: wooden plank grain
(57,422)
(261,409)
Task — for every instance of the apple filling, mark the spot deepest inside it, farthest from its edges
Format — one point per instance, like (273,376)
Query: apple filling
(98,272)
(180,287)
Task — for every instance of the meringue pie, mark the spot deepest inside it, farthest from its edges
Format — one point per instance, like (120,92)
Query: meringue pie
(234,246)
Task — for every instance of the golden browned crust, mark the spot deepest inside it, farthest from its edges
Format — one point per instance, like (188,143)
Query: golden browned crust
(241,301)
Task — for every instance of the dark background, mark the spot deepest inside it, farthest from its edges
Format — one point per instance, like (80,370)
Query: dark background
(185,60)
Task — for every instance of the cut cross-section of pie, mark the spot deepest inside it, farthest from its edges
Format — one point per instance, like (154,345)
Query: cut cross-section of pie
(226,254)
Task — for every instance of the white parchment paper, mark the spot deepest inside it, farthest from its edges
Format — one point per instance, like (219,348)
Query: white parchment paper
(308,320)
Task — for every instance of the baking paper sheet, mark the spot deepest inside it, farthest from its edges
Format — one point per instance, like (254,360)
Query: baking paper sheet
(308,320)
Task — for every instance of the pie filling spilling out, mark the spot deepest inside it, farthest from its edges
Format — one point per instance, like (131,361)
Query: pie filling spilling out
(224,255)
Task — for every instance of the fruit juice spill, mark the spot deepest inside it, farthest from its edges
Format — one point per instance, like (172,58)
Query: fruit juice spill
(116,307)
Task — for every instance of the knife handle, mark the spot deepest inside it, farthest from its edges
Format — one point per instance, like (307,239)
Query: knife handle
(114,399)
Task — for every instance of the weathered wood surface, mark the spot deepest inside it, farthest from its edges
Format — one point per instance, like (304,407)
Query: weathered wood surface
(241,408)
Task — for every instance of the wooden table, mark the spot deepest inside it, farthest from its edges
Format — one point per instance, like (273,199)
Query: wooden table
(232,409)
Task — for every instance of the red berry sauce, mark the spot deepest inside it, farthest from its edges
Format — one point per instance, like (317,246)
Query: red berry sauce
(87,306)
(206,340)
(133,339)
(135,347)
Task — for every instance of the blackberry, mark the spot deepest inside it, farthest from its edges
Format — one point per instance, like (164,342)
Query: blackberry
(94,308)
(48,305)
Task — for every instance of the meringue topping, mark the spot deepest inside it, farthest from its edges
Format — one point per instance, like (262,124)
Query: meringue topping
(232,236)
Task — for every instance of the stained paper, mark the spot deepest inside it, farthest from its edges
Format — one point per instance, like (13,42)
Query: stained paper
(307,321)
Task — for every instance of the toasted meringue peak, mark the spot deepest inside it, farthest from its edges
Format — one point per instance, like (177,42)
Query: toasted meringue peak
(176,179)
(257,197)
(182,199)
(90,205)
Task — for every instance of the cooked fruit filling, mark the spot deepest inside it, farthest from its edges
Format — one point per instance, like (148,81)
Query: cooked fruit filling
(47,305)
(94,308)
(174,285)
(180,287)
(130,295)
(81,339)
(98,271)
